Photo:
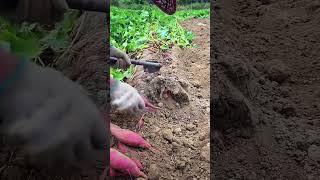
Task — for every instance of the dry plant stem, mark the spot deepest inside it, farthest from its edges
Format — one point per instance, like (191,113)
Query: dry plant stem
(59,59)
(140,122)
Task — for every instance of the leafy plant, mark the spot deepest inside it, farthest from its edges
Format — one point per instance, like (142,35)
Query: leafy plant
(186,14)
(120,74)
(134,30)
(29,40)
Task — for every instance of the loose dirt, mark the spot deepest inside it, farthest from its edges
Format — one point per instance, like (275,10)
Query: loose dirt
(180,130)
(265,89)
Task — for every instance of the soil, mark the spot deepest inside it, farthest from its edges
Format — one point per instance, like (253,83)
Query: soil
(265,100)
(180,130)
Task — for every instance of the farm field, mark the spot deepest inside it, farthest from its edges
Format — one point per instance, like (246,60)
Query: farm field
(180,130)
(76,47)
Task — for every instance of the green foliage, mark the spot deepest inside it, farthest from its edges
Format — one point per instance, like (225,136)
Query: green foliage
(185,14)
(30,40)
(23,39)
(120,75)
(134,30)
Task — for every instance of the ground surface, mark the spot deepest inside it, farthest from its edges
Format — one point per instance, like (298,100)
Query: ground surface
(266,100)
(181,129)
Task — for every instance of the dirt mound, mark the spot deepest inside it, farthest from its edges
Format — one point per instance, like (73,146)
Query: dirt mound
(265,103)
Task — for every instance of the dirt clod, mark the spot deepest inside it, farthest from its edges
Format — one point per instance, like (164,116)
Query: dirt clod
(205,153)
(167,134)
(278,74)
(180,165)
(177,130)
(314,153)
(191,127)
(154,173)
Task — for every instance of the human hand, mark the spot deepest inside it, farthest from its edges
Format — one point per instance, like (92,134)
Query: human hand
(50,113)
(124,60)
(125,97)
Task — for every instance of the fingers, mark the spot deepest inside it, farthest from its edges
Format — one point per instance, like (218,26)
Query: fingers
(120,100)
(27,125)
(126,58)
(121,55)
(127,98)
(131,101)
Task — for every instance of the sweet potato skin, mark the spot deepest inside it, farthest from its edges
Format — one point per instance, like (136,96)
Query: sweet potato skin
(128,137)
(124,164)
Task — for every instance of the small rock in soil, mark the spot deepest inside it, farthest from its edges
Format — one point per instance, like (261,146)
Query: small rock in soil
(191,127)
(177,130)
(202,136)
(153,172)
(314,152)
(196,84)
(205,153)
(160,104)
(180,165)
(277,74)
(188,142)
(167,134)
(175,144)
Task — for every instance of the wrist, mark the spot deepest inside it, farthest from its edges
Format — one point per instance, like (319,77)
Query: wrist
(113,85)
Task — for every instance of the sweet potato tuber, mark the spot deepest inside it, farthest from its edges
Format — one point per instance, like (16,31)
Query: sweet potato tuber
(123,148)
(122,163)
(150,107)
(128,137)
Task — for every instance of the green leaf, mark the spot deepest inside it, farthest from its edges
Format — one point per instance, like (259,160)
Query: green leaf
(27,48)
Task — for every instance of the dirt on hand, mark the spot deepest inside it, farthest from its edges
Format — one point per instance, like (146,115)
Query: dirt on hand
(265,89)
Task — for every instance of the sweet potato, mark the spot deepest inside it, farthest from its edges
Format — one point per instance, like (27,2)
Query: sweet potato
(141,122)
(125,150)
(138,163)
(128,137)
(122,163)
(150,107)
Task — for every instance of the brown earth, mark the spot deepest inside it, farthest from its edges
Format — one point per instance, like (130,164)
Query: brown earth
(266,79)
(180,131)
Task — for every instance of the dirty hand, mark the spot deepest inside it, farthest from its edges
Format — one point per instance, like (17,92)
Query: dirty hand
(44,11)
(124,60)
(125,97)
(50,113)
